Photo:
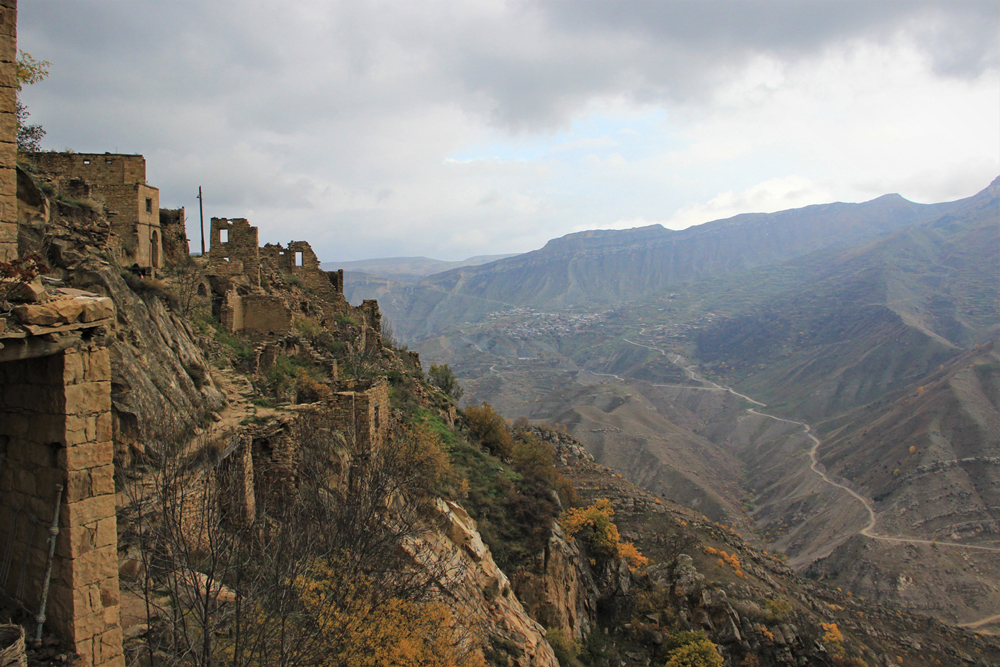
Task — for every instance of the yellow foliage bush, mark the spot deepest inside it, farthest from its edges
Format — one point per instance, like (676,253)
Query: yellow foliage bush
(726,559)
(700,653)
(595,526)
(423,457)
(366,631)
(833,638)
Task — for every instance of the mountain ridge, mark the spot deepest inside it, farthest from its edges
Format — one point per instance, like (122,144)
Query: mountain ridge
(611,267)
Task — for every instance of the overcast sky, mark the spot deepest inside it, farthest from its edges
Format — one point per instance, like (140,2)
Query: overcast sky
(452,129)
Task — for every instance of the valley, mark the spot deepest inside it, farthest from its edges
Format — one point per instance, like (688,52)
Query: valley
(839,407)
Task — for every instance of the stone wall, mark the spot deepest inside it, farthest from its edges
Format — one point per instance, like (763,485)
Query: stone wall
(239,255)
(231,312)
(235,475)
(8,130)
(100,169)
(372,323)
(134,213)
(173,227)
(55,428)
(266,315)
(299,260)
(360,411)
(119,181)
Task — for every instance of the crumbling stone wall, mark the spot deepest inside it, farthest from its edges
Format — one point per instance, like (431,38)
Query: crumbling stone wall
(99,169)
(361,412)
(119,181)
(235,474)
(239,255)
(8,130)
(173,226)
(239,260)
(369,310)
(255,313)
(299,260)
(55,429)
(265,315)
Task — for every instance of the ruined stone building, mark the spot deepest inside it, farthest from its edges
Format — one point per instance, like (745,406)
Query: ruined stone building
(237,266)
(119,182)
(174,240)
(262,464)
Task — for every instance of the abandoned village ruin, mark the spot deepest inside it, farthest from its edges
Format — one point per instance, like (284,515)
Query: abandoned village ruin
(64,416)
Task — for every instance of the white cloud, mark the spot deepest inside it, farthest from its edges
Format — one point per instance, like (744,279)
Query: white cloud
(773,195)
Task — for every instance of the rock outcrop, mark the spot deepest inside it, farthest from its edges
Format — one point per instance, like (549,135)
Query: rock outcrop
(476,589)
(559,590)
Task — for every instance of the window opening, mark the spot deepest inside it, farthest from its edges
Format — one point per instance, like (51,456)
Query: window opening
(298,258)
(86,161)
(149,205)
(224,235)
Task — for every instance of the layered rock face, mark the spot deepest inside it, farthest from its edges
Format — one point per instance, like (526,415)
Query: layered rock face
(476,589)
(560,591)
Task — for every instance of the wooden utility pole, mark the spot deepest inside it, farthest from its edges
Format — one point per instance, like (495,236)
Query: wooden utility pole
(201,210)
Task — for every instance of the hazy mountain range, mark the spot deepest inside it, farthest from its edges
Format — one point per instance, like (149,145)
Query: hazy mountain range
(408,269)
(611,267)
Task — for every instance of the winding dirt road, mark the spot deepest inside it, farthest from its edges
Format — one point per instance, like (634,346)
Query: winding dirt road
(868,530)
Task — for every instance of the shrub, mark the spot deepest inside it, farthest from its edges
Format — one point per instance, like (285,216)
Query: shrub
(442,377)
(699,653)
(833,638)
(373,630)
(488,426)
(566,648)
(779,608)
(344,320)
(423,456)
(17,272)
(514,511)
(309,328)
(593,524)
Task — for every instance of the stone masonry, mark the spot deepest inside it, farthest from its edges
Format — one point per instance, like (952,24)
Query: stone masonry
(238,266)
(119,181)
(360,410)
(55,429)
(176,249)
(238,256)
(8,130)
(255,313)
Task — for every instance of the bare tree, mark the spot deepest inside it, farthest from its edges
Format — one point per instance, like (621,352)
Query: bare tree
(221,591)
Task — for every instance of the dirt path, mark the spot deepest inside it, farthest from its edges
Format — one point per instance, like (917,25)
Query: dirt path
(981,622)
(869,530)
(238,392)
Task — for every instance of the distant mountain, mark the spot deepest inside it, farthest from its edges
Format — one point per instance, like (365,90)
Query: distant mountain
(851,325)
(408,269)
(615,267)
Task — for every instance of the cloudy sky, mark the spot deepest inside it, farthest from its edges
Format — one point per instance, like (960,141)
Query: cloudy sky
(458,128)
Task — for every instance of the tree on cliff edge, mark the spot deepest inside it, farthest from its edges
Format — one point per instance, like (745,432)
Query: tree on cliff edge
(29,71)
